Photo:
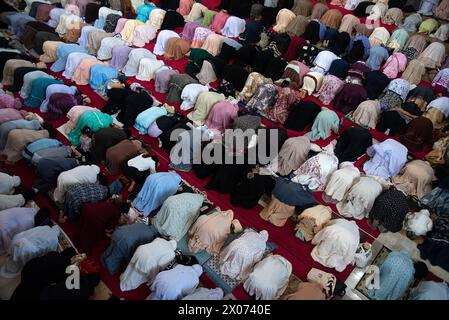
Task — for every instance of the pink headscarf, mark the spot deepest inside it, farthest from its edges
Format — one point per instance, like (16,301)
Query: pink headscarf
(9,102)
(395,64)
(221,116)
(185,6)
(219,21)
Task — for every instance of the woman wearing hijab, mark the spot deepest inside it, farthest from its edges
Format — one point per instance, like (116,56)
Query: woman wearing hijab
(94,120)
(156,189)
(121,152)
(323,125)
(352,144)
(17,140)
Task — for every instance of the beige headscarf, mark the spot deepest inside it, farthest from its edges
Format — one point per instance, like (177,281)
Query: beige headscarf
(203,105)
(207,73)
(213,44)
(415,178)
(414,72)
(94,40)
(433,55)
(277,212)
(367,114)
(332,18)
(318,10)
(303,8)
(209,232)
(10,66)
(49,48)
(176,49)
(81,76)
(312,82)
(297,26)
(417,41)
(292,155)
(283,19)
(127,32)
(18,139)
(196,12)
(348,23)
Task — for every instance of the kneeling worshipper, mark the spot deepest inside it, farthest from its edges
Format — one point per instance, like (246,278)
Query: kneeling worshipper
(29,244)
(336,244)
(156,189)
(340,182)
(139,168)
(415,178)
(177,214)
(389,211)
(148,260)
(94,120)
(120,153)
(387,159)
(124,242)
(41,272)
(89,280)
(209,232)
(99,220)
(105,138)
(56,88)
(397,274)
(359,200)
(269,279)
(285,197)
(325,123)
(430,290)
(79,194)
(17,141)
(238,258)
(352,144)
(175,283)
(307,291)
(438,111)
(315,171)
(8,183)
(311,221)
(8,126)
(79,174)
(16,220)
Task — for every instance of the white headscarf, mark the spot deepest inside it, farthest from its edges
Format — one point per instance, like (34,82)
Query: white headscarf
(162,38)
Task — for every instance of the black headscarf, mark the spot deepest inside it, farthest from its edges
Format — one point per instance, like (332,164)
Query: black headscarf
(261,60)
(269,16)
(5,56)
(282,41)
(111,22)
(423,92)
(339,68)
(240,8)
(302,115)
(227,52)
(341,43)
(356,53)
(275,69)
(116,99)
(376,82)
(19,73)
(135,104)
(31,29)
(390,209)
(172,20)
(245,55)
(266,139)
(312,33)
(218,65)
(391,120)
(250,189)
(169,5)
(352,144)
(43,36)
(235,75)
(360,10)
(91,12)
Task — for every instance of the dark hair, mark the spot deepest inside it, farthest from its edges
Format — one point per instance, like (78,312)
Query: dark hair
(52,132)
(421,270)
(102,179)
(123,207)
(128,133)
(87,131)
(155,159)
(27,193)
(42,217)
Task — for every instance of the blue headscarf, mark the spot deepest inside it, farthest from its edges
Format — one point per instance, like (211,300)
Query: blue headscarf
(38,145)
(100,73)
(156,189)
(143,12)
(292,194)
(62,54)
(396,275)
